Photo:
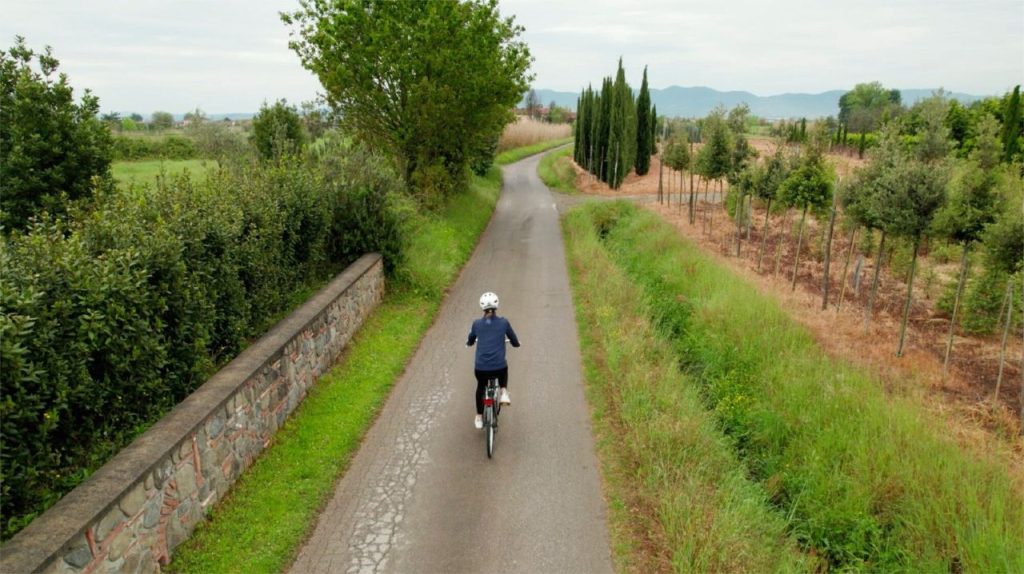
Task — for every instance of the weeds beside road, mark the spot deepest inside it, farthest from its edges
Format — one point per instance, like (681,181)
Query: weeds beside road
(514,155)
(860,478)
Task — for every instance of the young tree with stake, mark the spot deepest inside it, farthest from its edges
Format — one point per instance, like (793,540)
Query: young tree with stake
(907,200)
(972,206)
(808,186)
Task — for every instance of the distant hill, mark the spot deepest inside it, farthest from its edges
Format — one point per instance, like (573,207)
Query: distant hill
(698,101)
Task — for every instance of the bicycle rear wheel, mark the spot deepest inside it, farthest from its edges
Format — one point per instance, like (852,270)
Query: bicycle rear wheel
(489,424)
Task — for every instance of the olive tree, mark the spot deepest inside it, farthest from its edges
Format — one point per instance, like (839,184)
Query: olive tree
(431,83)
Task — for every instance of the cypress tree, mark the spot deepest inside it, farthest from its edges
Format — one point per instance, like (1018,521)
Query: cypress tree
(1012,126)
(580,144)
(604,131)
(654,129)
(617,128)
(644,144)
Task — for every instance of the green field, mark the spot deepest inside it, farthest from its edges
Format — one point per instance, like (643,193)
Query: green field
(145,173)
(858,476)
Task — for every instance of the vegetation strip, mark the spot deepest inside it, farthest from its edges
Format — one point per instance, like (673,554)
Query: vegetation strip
(678,496)
(556,171)
(866,481)
(514,155)
(145,173)
(262,522)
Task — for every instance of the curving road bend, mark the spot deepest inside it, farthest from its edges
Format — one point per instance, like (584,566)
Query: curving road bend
(421,495)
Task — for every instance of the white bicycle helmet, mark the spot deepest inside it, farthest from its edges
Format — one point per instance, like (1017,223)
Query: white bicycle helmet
(488,301)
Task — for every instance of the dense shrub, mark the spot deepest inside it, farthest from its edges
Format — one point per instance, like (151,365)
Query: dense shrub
(110,317)
(277,130)
(127,148)
(52,148)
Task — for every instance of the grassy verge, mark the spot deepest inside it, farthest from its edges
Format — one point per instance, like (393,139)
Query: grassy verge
(516,154)
(262,522)
(146,172)
(866,480)
(679,498)
(556,171)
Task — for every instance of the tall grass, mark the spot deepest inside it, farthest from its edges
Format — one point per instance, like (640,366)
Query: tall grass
(525,131)
(679,496)
(555,170)
(260,526)
(867,479)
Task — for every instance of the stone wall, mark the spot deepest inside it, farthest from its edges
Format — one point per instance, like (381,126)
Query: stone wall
(132,513)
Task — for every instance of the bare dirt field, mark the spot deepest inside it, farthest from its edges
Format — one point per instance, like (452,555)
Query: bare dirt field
(963,397)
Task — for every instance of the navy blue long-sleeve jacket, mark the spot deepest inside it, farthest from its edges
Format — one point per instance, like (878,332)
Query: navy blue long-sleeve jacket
(491,333)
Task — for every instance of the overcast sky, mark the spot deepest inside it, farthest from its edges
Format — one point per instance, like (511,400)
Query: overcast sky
(231,55)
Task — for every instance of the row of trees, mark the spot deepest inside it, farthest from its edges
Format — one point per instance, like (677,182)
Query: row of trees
(919,186)
(869,106)
(916,186)
(614,132)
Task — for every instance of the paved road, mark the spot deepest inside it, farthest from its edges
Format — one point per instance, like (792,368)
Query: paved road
(421,495)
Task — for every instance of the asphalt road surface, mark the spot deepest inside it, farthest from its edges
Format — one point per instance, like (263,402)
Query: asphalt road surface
(421,494)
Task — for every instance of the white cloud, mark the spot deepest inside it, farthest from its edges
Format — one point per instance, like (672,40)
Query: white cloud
(231,55)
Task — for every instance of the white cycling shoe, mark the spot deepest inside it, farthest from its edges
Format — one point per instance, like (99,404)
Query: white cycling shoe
(479,421)
(505,398)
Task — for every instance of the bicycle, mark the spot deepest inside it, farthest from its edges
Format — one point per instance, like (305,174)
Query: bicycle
(492,407)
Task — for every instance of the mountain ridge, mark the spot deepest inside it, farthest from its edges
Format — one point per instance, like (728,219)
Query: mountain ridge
(698,101)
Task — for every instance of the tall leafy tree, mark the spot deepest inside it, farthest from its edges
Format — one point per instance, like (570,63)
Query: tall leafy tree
(644,133)
(864,108)
(532,104)
(432,83)
(50,146)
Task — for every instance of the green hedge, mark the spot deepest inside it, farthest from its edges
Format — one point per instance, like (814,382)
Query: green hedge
(113,316)
(169,147)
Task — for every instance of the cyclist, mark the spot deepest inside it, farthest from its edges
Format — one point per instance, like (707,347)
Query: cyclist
(491,332)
